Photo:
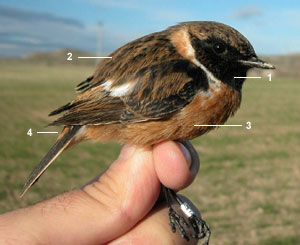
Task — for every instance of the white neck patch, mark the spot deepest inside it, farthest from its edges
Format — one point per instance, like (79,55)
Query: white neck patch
(181,40)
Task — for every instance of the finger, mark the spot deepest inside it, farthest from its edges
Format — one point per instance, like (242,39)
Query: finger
(176,163)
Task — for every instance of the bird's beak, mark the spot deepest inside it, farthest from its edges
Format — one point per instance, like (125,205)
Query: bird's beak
(255,62)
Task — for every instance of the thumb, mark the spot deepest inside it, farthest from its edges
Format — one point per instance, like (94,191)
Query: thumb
(97,213)
(124,193)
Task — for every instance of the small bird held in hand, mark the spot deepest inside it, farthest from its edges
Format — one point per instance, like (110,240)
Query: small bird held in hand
(157,88)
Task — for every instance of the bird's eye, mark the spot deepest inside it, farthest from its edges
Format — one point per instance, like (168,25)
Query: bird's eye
(219,48)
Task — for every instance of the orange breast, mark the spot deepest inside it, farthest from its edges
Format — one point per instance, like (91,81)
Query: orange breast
(206,108)
(209,109)
(214,107)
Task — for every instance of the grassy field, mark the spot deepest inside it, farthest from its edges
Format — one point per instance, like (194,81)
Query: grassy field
(248,188)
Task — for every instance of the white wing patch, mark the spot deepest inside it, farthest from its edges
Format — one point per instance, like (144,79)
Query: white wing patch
(119,91)
(107,85)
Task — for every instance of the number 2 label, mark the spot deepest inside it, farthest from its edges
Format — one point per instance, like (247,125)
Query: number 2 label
(69,56)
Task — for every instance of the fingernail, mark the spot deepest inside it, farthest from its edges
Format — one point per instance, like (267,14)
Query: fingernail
(186,153)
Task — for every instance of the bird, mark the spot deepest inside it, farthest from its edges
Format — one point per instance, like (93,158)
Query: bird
(157,88)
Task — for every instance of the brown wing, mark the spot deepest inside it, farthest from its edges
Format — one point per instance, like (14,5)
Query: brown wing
(163,89)
(158,91)
(126,61)
(161,82)
(91,108)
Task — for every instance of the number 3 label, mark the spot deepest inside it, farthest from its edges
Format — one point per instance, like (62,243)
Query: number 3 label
(248,125)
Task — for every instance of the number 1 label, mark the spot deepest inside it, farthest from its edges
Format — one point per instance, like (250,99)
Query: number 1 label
(270,77)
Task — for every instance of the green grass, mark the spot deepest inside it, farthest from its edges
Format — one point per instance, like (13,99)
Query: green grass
(289,240)
(248,188)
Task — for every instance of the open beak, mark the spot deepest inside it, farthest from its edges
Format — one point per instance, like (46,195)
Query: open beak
(254,62)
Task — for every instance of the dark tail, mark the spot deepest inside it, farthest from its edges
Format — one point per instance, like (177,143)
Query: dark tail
(52,154)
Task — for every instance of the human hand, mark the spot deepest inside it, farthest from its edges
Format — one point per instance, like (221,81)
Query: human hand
(115,208)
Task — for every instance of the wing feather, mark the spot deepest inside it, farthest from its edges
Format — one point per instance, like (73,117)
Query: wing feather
(161,83)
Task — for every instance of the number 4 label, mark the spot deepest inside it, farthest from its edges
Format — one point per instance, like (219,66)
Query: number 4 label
(29,132)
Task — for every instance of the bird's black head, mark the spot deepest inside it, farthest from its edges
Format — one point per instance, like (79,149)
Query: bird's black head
(224,51)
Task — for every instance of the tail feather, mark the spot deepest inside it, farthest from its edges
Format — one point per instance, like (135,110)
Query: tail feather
(52,154)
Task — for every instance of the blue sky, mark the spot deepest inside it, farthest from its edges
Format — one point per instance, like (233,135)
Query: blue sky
(273,27)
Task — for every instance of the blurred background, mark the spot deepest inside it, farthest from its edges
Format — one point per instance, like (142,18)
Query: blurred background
(248,188)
